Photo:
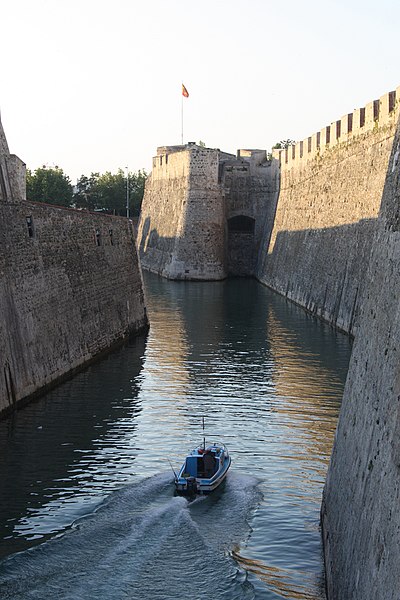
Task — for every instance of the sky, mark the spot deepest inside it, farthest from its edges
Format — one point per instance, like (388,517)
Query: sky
(95,85)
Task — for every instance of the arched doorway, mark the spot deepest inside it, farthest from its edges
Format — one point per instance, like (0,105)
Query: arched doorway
(241,252)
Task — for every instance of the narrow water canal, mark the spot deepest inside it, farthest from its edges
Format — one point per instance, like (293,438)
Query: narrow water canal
(87,505)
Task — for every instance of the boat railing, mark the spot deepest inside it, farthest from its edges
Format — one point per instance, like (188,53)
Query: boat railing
(216,444)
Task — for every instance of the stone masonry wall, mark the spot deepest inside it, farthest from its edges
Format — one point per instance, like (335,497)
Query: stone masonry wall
(250,187)
(181,228)
(330,192)
(163,210)
(360,513)
(70,287)
(63,298)
(190,201)
(199,250)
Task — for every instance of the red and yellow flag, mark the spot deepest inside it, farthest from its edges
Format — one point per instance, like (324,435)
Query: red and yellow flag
(185,92)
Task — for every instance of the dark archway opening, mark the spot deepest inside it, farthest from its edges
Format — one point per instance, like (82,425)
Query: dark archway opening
(241,223)
(241,251)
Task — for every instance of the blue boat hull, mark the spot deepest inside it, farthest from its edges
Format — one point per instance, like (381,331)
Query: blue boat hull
(213,461)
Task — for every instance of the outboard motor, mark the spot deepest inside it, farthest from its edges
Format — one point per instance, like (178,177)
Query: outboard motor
(191,486)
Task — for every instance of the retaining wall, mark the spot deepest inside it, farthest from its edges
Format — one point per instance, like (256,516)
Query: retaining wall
(70,287)
(330,193)
(360,512)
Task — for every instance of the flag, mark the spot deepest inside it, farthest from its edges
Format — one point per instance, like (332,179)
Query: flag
(185,92)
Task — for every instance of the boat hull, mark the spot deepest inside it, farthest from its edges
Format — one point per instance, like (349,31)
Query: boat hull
(190,485)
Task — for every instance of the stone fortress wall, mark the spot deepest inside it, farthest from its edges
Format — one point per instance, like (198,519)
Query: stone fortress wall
(335,250)
(250,185)
(204,212)
(331,188)
(360,512)
(180,230)
(70,287)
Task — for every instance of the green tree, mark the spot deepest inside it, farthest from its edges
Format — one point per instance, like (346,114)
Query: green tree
(49,185)
(86,195)
(107,192)
(136,190)
(111,191)
(283,144)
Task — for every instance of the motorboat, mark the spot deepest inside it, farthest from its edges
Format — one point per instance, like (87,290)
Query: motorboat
(204,469)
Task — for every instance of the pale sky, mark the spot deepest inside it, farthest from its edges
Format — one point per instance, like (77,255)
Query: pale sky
(93,85)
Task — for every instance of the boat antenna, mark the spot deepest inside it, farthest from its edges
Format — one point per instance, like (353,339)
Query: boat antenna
(173,470)
(204,438)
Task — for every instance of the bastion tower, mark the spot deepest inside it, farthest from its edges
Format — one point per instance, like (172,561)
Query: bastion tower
(204,212)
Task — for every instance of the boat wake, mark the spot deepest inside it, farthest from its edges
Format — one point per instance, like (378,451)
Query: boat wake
(143,542)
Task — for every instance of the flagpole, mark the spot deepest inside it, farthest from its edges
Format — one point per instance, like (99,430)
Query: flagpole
(182,118)
(185,94)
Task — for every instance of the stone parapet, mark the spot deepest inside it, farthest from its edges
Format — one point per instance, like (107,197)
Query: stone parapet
(330,193)
(376,114)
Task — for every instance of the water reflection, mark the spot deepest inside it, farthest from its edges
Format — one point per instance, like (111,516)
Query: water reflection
(63,452)
(268,378)
(278,580)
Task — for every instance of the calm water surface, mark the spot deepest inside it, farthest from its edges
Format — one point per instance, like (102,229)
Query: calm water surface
(87,505)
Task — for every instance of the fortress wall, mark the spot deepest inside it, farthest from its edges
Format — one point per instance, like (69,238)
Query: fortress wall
(64,299)
(200,249)
(181,228)
(17,176)
(250,185)
(360,512)
(377,113)
(163,210)
(330,193)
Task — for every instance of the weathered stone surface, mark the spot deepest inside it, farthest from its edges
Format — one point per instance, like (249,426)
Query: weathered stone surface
(64,299)
(360,513)
(330,194)
(205,212)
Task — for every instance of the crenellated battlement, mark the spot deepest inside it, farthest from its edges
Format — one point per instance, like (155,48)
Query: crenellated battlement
(375,114)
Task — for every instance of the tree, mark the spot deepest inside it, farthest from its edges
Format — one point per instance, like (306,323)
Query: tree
(107,192)
(85,195)
(283,144)
(49,185)
(136,190)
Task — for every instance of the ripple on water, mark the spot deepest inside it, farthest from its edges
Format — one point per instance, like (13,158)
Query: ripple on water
(141,537)
(268,378)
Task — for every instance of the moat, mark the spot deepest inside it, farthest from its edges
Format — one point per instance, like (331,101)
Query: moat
(87,505)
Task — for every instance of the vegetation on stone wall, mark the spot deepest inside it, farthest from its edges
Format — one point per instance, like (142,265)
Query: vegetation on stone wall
(283,144)
(99,192)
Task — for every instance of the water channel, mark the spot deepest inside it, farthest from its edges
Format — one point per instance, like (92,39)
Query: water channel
(87,504)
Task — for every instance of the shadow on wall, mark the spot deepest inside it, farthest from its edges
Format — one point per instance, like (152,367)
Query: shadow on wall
(158,252)
(322,270)
(155,251)
(150,240)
